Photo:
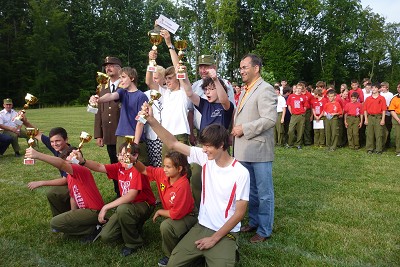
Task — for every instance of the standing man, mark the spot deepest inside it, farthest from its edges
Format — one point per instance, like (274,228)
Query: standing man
(106,119)
(254,145)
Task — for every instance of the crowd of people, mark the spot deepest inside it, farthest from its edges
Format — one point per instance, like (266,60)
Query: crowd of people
(181,142)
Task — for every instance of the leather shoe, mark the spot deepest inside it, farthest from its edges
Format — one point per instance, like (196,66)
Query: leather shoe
(257,239)
(127,251)
(247,229)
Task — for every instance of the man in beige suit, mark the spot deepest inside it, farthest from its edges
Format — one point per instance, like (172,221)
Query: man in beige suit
(253,133)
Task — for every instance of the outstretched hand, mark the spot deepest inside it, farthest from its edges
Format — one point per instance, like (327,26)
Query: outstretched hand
(31,153)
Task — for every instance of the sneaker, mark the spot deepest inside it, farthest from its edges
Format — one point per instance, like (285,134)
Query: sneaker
(127,251)
(398,155)
(299,147)
(90,238)
(163,262)
(370,152)
(378,152)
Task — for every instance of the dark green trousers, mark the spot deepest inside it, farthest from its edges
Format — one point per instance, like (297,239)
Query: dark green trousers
(353,132)
(296,129)
(374,133)
(332,132)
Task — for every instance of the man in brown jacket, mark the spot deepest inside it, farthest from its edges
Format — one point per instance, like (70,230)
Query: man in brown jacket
(107,117)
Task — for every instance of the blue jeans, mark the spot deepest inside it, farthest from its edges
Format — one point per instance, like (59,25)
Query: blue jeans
(261,202)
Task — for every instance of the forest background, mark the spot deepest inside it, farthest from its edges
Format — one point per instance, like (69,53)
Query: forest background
(53,48)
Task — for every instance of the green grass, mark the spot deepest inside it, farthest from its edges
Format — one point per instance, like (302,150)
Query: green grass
(331,209)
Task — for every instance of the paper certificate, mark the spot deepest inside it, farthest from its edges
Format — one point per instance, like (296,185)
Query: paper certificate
(167,24)
(318,124)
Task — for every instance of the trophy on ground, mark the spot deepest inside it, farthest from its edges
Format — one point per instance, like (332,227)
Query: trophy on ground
(31,132)
(30,100)
(155,39)
(101,79)
(154,95)
(85,138)
(127,160)
(181,45)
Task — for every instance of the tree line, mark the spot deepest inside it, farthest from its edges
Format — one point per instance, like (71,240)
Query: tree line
(53,48)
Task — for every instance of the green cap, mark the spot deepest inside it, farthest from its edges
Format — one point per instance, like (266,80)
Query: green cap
(7,101)
(206,60)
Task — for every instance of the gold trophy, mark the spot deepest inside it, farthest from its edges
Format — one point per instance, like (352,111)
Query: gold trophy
(85,138)
(154,95)
(31,132)
(101,79)
(181,45)
(30,100)
(155,39)
(127,160)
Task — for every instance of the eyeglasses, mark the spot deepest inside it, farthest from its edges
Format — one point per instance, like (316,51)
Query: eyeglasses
(208,88)
(245,67)
(110,66)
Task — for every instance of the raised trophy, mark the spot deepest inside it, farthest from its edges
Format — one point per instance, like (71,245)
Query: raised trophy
(155,39)
(30,100)
(85,138)
(127,160)
(31,132)
(154,95)
(181,45)
(101,79)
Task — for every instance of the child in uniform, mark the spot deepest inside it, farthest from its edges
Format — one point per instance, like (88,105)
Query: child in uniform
(332,110)
(353,118)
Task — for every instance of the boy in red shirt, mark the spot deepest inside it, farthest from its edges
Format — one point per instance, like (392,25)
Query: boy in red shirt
(176,197)
(85,198)
(318,104)
(297,105)
(307,138)
(133,208)
(355,88)
(374,112)
(332,111)
(353,118)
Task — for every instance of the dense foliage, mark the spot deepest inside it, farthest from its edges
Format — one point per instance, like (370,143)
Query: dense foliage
(53,48)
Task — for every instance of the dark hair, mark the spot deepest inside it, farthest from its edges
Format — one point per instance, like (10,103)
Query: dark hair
(276,87)
(354,94)
(354,81)
(331,92)
(58,131)
(178,160)
(255,60)
(287,89)
(215,135)
(134,147)
(65,153)
(377,85)
(207,81)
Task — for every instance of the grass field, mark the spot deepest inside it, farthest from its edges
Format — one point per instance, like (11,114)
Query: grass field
(332,209)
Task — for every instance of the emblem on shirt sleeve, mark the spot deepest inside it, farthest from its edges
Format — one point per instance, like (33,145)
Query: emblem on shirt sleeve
(162,187)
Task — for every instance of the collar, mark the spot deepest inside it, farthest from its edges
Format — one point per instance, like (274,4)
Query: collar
(250,86)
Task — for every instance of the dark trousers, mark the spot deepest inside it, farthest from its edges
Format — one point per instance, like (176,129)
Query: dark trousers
(5,141)
(112,154)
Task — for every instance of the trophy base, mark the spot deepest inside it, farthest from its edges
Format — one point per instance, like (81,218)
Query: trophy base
(151,68)
(141,119)
(74,161)
(181,76)
(29,161)
(92,109)
(18,122)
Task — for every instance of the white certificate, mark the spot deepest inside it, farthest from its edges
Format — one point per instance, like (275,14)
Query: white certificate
(318,124)
(167,24)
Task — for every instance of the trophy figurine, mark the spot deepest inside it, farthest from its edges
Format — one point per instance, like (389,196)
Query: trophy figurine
(155,39)
(85,138)
(31,132)
(30,100)
(127,160)
(181,45)
(101,79)
(154,95)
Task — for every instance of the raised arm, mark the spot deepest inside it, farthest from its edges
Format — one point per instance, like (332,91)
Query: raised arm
(185,83)
(222,95)
(90,164)
(172,52)
(166,137)
(105,98)
(59,163)
(149,75)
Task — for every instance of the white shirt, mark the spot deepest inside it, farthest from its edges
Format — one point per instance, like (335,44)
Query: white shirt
(157,108)
(196,87)
(281,104)
(388,97)
(217,206)
(6,118)
(175,109)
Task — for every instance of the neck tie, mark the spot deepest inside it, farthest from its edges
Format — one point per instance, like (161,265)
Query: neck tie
(112,88)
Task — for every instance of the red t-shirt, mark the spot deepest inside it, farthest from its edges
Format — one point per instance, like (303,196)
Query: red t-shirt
(131,179)
(83,189)
(177,198)
(318,105)
(309,98)
(333,108)
(375,106)
(353,109)
(297,103)
(360,94)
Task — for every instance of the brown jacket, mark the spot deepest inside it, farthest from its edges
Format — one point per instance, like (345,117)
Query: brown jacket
(106,119)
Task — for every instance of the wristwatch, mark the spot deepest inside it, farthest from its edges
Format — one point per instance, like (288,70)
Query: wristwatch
(83,162)
(171,47)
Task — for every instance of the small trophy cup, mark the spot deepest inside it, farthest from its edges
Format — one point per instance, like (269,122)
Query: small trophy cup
(155,39)
(30,100)
(85,138)
(101,79)
(154,95)
(181,45)
(31,132)
(129,139)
